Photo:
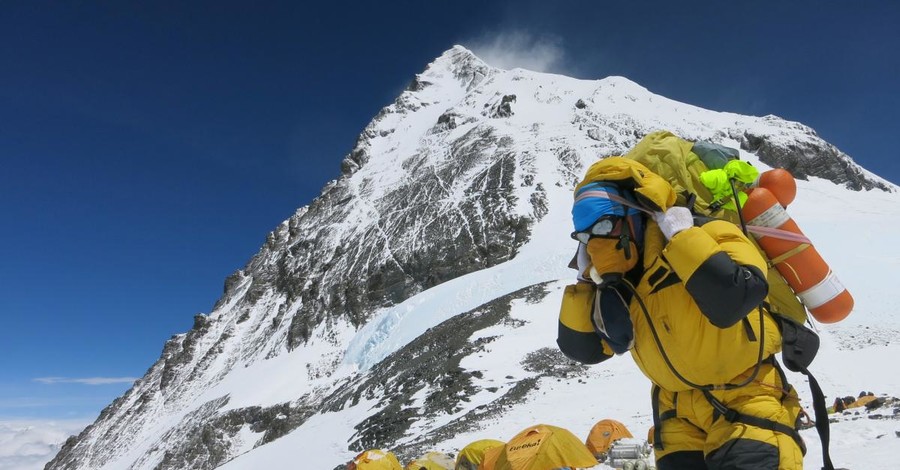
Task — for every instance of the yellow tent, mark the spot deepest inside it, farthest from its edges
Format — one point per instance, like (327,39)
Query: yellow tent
(432,461)
(473,454)
(603,434)
(375,459)
(543,447)
(490,458)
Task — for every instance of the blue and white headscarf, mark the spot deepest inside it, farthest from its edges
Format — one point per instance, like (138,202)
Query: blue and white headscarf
(592,202)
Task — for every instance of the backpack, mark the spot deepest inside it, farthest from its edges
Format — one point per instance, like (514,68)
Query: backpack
(681,163)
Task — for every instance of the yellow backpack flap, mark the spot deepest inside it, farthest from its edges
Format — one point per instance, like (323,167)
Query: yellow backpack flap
(671,157)
(674,160)
(650,189)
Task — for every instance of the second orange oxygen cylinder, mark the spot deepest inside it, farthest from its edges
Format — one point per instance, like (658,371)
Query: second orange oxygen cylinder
(802,267)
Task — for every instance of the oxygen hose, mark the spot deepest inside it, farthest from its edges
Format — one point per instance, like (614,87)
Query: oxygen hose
(662,351)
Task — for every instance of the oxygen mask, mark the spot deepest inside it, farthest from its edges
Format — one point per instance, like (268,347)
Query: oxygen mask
(610,244)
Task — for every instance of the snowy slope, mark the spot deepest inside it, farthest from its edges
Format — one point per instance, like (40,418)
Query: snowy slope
(413,305)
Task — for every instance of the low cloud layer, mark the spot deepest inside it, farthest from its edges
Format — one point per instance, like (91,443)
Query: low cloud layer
(85,381)
(28,445)
(514,49)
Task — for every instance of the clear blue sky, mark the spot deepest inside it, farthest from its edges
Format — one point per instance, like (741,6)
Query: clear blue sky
(147,150)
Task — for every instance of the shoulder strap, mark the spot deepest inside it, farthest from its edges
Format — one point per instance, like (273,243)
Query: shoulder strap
(822,424)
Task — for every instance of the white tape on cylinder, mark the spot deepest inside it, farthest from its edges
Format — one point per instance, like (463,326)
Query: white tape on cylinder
(822,293)
(772,217)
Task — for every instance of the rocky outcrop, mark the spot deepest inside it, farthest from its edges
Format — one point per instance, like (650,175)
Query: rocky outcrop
(809,157)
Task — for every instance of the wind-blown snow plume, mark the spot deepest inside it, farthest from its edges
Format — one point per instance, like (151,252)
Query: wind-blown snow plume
(519,49)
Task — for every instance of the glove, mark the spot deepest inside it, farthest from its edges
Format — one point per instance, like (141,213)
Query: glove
(674,220)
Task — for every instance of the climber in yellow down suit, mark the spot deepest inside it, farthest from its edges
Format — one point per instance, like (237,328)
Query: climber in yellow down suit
(685,296)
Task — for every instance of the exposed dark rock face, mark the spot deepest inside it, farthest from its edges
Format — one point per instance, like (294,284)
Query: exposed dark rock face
(812,157)
(204,441)
(432,363)
(503,109)
(415,243)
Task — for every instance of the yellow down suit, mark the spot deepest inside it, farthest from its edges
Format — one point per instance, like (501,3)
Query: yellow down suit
(719,398)
(698,301)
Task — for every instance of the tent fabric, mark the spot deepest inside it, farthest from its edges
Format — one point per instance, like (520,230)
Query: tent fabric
(473,454)
(603,434)
(432,461)
(862,401)
(375,459)
(846,403)
(543,447)
(491,456)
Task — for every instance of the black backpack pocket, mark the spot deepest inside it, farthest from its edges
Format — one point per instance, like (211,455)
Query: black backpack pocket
(799,344)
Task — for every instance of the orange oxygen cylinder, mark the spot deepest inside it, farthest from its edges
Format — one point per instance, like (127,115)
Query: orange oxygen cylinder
(800,264)
(780,182)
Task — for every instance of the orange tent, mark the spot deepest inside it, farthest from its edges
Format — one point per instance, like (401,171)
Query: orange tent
(603,434)
(543,447)
(375,459)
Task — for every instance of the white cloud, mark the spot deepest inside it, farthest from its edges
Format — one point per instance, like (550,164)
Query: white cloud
(511,49)
(28,445)
(85,381)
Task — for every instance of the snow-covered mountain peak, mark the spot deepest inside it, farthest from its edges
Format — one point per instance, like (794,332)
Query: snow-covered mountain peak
(622,84)
(458,63)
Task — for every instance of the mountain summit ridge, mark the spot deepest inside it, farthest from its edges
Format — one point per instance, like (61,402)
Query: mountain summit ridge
(441,213)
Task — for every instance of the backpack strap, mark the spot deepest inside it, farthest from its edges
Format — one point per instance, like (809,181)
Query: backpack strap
(822,424)
(659,418)
(733,416)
